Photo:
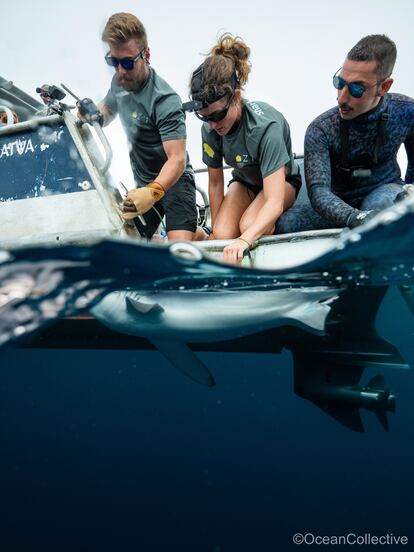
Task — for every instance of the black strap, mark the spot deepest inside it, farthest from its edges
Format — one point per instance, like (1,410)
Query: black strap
(379,141)
(380,134)
(344,132)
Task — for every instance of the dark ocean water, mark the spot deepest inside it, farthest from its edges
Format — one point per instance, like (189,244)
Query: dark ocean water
(116,450)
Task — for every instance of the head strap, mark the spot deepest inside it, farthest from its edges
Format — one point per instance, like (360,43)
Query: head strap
(200,100)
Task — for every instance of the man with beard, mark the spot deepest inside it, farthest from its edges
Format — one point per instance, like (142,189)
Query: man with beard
(351,166)
(152,117)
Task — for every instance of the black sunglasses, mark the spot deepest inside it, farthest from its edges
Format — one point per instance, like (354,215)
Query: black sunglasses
(217,115)
(355,89)
(126,63)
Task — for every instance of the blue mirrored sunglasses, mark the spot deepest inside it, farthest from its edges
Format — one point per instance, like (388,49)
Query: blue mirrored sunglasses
(355,89)
(125,63)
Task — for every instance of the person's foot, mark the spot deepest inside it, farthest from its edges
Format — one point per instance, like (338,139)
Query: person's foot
(202,233)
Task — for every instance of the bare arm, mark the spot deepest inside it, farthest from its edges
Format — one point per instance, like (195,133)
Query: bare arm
(174,167)
(277,197)
(107,115)
(142,199)
(274,190)
(215,191)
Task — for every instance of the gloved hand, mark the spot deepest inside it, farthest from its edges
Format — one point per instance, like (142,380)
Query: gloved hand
(89,112)
(357,217)
(140,200)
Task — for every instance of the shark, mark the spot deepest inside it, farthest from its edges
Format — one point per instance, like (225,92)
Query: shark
(169,320)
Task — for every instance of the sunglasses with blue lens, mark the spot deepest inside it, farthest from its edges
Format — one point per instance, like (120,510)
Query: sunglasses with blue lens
(355,89)
(125,63)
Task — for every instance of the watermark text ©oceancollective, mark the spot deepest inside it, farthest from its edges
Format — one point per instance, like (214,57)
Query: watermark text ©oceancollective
(353,539)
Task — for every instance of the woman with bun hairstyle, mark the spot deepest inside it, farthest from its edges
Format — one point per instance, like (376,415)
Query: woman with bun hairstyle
(253,138)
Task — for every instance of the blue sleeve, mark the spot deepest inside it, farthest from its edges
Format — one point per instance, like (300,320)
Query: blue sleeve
(318,179)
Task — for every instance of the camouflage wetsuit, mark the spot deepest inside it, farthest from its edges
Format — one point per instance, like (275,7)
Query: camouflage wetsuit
(353,167)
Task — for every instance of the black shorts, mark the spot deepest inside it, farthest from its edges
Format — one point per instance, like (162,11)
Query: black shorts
(179,207)
(294,179)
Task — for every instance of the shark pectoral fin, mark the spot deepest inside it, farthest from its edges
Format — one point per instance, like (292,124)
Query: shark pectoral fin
(183,358)
(137,306)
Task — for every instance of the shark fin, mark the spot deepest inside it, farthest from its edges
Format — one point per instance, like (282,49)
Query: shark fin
(183,358)
(136,306)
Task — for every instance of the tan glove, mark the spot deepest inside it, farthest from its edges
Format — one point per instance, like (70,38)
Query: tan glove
(143,199)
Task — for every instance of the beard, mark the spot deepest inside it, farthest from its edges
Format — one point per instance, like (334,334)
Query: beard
(128,83)
(132,82)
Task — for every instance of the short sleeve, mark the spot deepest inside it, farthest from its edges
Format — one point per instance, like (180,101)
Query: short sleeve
(170,118)
(273,153)
(212,148)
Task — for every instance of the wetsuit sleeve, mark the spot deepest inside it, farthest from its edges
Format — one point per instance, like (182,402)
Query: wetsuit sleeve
(409,148)
(212,148)
(273,153)
(318,179)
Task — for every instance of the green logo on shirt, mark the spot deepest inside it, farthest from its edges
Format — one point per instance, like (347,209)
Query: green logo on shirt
(208,149)
(242,159)
(139,117)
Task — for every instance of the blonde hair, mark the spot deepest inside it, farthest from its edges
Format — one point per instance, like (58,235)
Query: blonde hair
(122,27)
(228,59)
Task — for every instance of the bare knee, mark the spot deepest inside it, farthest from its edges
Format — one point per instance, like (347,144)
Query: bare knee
(225,232)
(180,235)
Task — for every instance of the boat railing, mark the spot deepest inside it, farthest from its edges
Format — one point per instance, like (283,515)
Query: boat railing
(57,169)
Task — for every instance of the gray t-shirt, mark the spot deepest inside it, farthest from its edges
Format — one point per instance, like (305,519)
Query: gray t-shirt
(259,146)
(150,116)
